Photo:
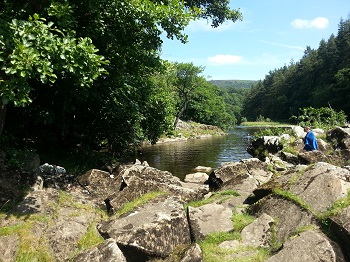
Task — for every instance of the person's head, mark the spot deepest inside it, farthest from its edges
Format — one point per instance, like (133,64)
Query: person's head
(306,129)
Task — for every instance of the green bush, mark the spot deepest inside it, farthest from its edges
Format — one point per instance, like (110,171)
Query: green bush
(324,117)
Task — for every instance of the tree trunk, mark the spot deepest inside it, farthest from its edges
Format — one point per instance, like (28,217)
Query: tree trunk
(2,116)
(183,108)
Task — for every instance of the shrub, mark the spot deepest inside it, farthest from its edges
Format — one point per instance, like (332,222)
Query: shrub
(324,117)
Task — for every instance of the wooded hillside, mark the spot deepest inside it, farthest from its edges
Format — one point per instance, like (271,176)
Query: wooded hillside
(320,79)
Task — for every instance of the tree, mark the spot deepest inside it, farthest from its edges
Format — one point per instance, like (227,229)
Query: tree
(208,106)
(187,80)
(122,106)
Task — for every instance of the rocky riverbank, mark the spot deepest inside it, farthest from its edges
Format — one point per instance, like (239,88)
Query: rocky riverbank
(190,130)
(276,206)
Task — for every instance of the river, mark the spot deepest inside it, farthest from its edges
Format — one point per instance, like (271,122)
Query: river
(181,157)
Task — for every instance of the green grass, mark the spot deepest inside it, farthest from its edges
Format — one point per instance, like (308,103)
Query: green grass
(130,206)
(257,123)
(241,220)
(31,247)
(216,196)
(213,253)
(294,198)
(336,207)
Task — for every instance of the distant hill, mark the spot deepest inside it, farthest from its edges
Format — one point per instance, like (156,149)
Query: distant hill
(233,83)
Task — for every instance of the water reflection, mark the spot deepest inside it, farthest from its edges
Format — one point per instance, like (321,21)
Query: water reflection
(180,158)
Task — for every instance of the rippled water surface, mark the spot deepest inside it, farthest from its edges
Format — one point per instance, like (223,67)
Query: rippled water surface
(180,158)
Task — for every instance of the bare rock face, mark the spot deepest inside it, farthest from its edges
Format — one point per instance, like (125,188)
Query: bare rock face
(309,246)
(153,230)
(290,158)
(208,219)
(106,251)
(198,177)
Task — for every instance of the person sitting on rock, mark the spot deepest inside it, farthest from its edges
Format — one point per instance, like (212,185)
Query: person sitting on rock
(310,141)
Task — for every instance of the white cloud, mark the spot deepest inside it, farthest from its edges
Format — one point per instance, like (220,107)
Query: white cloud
(318,23)
(224,59)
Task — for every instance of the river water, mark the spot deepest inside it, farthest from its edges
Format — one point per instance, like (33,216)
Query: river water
(181,157)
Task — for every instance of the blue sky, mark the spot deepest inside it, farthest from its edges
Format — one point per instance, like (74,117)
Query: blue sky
(272,33)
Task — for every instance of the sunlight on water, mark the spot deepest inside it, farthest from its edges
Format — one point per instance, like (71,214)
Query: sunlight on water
(180,158)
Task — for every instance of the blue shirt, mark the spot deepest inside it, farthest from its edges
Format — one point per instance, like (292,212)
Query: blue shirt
(310,141)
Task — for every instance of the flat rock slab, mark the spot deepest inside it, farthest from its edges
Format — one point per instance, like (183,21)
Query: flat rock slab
(208,219)
(153,230)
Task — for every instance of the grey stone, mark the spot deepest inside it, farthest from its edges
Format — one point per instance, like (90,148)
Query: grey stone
(258,233)
(8,248)
(153,230)
(106,251)
(208,219)
(309,246)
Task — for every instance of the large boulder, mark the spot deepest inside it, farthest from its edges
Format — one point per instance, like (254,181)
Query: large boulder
(288,216)
(319,185)
(208,219)
(311,246)
(253,168)
(151,231)
(259,232)
(261,146)
(339,137)
(136,180)
(99,185)
(340,228)
(69,220)
(310,157)
(106,251)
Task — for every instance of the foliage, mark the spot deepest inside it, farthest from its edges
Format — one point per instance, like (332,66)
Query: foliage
(272,131)
(35,50)
(264,124)
(208,106)
(68,44)
(324,117)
